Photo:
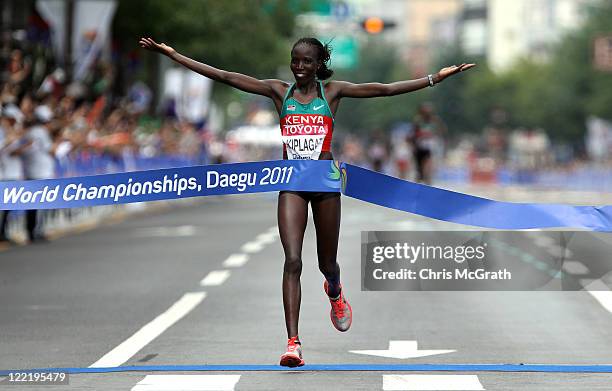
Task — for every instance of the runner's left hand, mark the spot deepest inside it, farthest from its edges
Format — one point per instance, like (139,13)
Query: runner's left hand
(448,71)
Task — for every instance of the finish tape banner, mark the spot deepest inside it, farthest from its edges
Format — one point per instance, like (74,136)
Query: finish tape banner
(317,176)
(465,209)
(171,183)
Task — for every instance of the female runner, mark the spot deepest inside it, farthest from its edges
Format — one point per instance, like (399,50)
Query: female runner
(308,101)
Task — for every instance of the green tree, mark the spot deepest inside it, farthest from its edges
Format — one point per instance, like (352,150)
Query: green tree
(557,95)
(243,36)
(521,91)
(578,90)
(378,63)
(452,99)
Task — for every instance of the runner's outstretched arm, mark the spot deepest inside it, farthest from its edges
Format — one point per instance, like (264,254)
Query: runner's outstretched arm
(270,88)
(343,89)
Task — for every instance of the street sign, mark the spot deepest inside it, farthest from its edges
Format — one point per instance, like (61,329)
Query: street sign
(345,51)
(341,10)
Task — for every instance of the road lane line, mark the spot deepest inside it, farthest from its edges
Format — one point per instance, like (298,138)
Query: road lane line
(215,278)
(599,291)
(163,232)
(604,298)
(431,382)
(187,382)
(575,267)
(260,241)
(236,260)
(266,238)
(150,331)
(252,247)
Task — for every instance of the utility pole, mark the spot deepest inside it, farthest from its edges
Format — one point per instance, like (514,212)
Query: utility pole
(5,23)
(6,28)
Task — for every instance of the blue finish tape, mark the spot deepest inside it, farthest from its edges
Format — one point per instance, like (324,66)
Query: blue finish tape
(171,183)
(465,209)
(317,176)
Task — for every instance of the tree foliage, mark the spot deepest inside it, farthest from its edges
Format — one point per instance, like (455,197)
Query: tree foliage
(244,36)
(378,62)
(557,95)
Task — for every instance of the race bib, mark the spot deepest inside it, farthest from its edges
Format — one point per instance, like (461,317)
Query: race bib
(304,134)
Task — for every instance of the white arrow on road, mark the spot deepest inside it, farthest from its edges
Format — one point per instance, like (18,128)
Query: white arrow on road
(402,350)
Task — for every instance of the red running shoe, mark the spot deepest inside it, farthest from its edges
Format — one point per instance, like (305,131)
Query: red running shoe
(293,356)
(341,313)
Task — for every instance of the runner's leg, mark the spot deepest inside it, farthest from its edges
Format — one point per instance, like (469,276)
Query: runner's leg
(326,216)
(292,219)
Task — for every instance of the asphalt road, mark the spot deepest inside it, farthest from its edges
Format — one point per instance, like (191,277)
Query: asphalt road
(140,292)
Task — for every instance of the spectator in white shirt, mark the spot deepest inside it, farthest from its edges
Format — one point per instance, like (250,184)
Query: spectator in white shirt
(11,167)
(38,163)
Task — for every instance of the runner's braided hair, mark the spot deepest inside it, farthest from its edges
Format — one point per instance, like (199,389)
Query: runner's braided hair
(324,53)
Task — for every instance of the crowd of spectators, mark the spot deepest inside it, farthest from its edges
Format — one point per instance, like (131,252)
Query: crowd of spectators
(499,154)
(50,127)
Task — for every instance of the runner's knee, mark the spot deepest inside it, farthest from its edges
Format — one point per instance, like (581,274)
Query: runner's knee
(293,265)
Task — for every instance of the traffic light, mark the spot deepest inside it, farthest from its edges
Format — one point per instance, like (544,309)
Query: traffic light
(375,25)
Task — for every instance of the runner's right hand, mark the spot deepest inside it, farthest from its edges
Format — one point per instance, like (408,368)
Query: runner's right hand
(150,44)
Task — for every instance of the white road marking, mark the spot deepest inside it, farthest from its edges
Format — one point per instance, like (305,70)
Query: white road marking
(544,241)
(180,231)
(236,260)
(431,382)
(407,225)
(215,278)
(559,251)
(402,350)
(575,267)
(252,247)
(187,383)
(52,307)
(266,238)
(150,331)
(260,241)
(600,292)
